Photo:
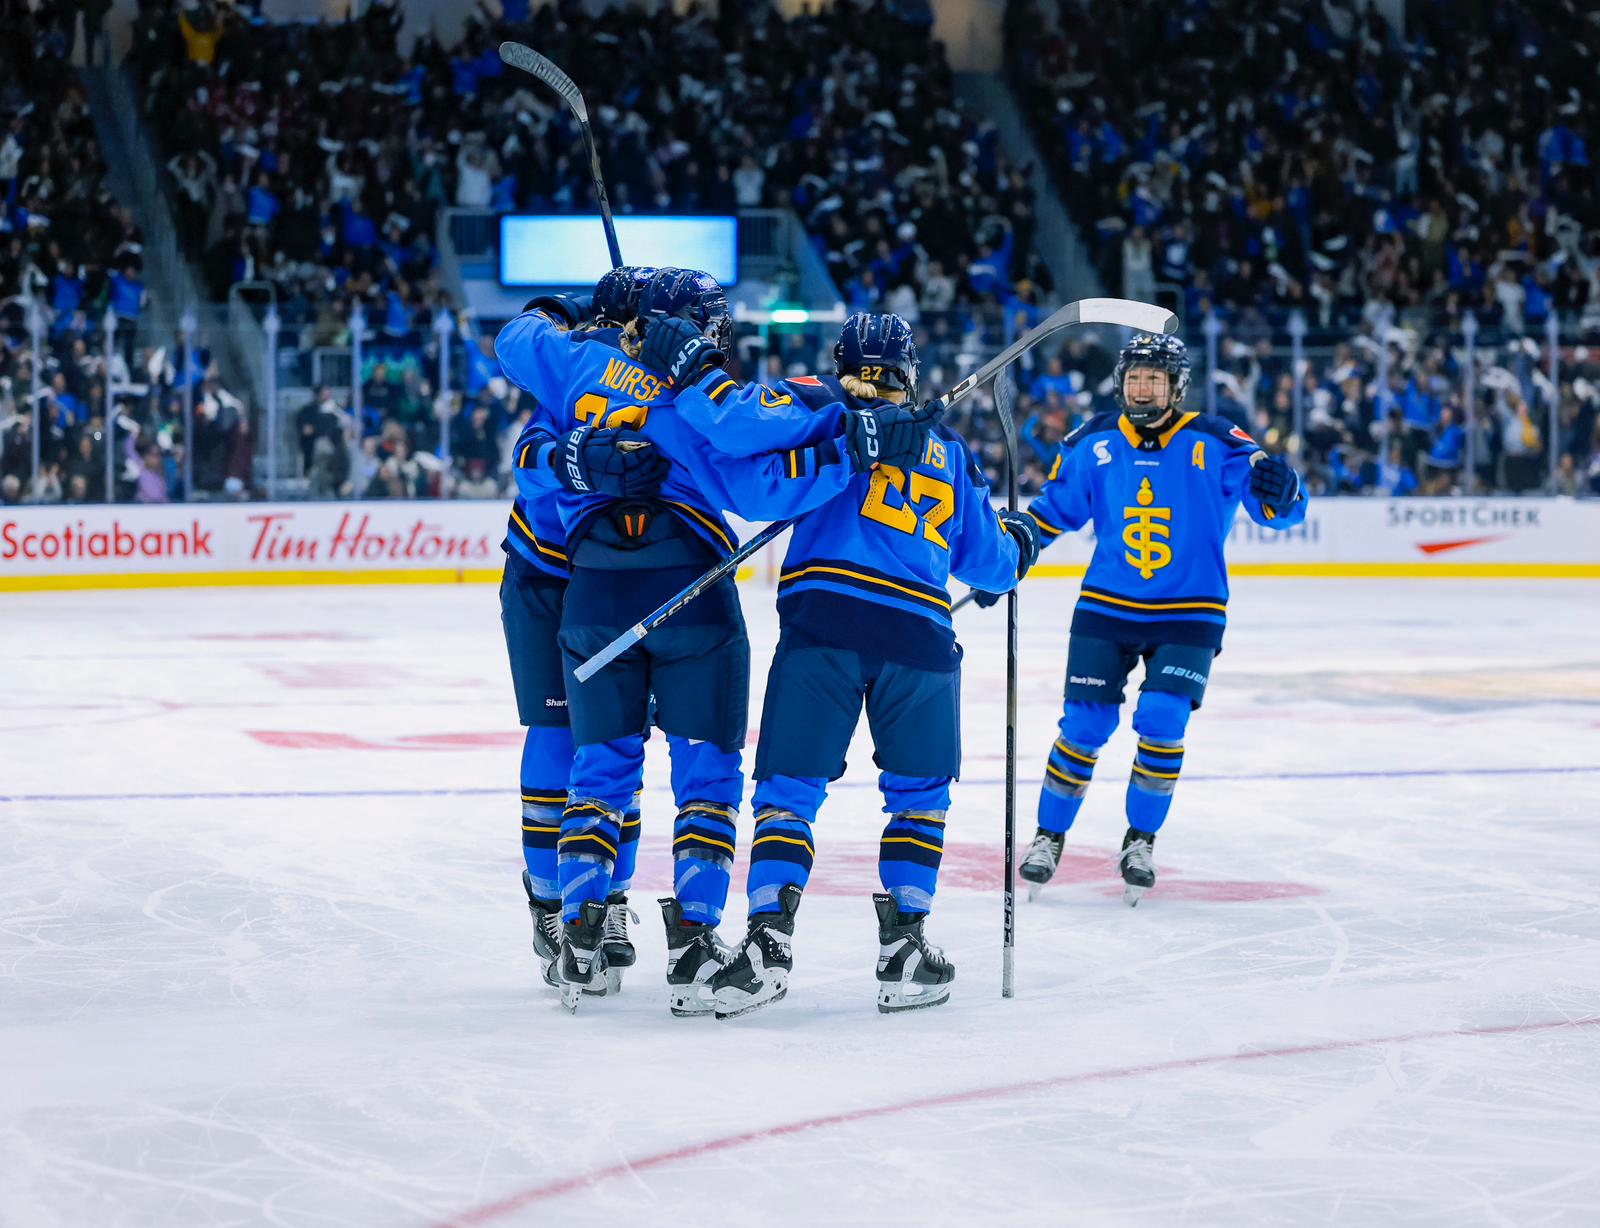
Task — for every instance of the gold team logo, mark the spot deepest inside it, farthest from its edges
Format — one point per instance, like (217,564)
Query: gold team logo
(1146,538)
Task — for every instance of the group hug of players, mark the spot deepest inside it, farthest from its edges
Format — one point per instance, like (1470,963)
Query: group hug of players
(640,443)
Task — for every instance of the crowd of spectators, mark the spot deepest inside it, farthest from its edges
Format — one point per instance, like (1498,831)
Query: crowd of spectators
(326,178)
(70,258)
(1265,159)
(1255,163)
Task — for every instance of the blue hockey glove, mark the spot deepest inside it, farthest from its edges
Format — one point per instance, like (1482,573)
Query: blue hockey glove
(612,461)
(679,350)
(1274,482)
(1025,529)
(984,600)
(567,310)
(890,434)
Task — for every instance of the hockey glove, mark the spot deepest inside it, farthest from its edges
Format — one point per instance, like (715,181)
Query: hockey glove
(1025,529)
(1274,483)
(890,434)
(612,461)
(679,350)
(983,600)
(566,311)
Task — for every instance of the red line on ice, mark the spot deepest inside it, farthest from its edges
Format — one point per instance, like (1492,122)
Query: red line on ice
(567,1185)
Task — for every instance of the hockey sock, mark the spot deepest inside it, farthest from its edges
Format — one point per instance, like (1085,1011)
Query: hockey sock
(1067,773)
(546,764)
(708,784)
(1159,720)
(702,852)
(1084,729)
(908,858)
(780,853)
(627,848)
(590,833)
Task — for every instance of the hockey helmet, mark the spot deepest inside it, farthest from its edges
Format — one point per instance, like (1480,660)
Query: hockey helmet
(1163,353)
(693,296)
(880,349)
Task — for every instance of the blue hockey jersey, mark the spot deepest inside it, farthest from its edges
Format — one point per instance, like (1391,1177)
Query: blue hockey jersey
(535,536)
(1162,509)
(585,378)
(869,569)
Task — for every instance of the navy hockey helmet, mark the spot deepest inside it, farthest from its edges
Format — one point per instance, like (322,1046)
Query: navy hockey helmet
(880,349)
(693,296)
(617,294)
(1167,354)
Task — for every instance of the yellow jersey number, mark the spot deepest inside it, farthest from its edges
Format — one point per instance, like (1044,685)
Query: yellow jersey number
(591,411)
(903,513)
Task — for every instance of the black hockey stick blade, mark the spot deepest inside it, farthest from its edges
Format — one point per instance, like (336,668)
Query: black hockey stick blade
(1146,317)
(536,65)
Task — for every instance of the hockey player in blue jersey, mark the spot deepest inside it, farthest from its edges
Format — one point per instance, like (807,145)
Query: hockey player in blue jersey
(627,555)
(531,594)
(864,618)
(1161,486)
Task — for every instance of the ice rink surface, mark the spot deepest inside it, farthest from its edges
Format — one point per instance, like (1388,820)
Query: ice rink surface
(264,955)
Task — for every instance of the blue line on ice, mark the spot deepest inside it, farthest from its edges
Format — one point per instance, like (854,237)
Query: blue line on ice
(1234,778)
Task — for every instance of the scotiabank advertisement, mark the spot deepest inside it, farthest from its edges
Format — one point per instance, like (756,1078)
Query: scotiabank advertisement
(260,541)
(289,543)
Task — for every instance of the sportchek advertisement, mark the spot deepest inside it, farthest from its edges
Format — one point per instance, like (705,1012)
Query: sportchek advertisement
(377,542)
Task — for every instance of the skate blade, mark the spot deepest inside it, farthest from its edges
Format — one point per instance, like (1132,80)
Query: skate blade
(687,1002)
(1034,890)
(1131,894)
(570,996)
(754,1004)
(892,1001)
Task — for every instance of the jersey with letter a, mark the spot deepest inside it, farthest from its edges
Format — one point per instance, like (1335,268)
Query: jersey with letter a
(1162,509)
(868,570)
(586,379)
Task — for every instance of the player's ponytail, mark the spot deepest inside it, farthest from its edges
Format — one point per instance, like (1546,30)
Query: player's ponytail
(862,390)
(632,341)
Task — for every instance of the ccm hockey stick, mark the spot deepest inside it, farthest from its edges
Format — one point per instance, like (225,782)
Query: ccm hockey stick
(1122,311)
(1008,423)
(536,65)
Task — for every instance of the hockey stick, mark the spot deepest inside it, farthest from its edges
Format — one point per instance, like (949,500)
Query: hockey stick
(1008,423)
(536,65)
(1085,311)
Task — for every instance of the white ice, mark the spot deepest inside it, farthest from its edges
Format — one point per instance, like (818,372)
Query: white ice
(264,955)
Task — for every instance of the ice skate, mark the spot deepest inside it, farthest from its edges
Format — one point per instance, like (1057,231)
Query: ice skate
(546,932)
(618,946)
(1137,860)
(694,955)
(583,955)
(912,972)
(1040,861)
(758,974)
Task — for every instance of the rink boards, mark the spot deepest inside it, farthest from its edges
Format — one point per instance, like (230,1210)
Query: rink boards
(430,542)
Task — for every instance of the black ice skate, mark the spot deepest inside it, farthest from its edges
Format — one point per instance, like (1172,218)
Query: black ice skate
(620,954)
(546,932)
(1137,860)
(1040,861)
(694,954)
(583,955)
(758,975)
(912,972)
